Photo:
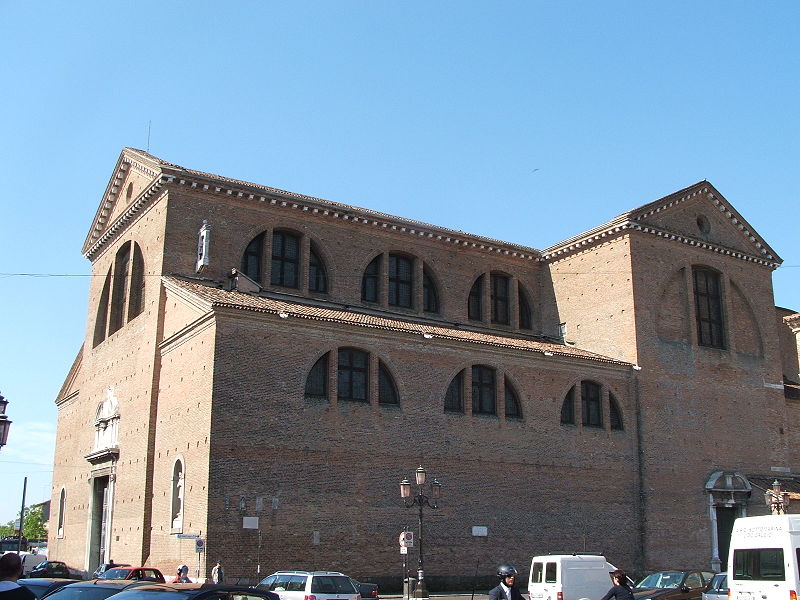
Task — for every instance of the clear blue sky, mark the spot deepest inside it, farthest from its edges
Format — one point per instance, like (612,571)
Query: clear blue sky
(524,121)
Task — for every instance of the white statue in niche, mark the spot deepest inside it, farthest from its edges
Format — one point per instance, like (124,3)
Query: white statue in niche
(106,422)
(177,495)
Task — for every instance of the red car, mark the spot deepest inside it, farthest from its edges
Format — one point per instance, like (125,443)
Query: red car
(135,573)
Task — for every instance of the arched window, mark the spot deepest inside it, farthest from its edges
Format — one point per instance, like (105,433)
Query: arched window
(592,397)
(285,259)
(430,297)
(317,275)
(483,390)
(501,313)
(387,391)
(178,486)
(370,280)
(401,281)
(354,377)
(62,505)
(454,398)
(353,381)
(475,302)
(251,259)
(317,380)
(513,407)
(708,307)
(122,298)
(614,413)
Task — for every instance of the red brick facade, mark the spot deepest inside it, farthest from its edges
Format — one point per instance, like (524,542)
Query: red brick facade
(187,409)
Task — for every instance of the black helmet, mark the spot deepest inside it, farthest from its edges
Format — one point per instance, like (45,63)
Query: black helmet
(504,571)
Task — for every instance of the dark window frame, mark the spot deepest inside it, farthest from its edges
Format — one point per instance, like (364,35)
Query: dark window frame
(353,375)
(285,265)
(591,404)
(253,256)
(568,408)
(454,397)
(401,281)
(500,298)
(370,281)
(317,273)
(709,314)
(317,378)
(475,300)
(513,407)
(484,390)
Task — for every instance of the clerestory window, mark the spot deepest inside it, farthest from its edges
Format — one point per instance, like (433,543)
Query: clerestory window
(708,307)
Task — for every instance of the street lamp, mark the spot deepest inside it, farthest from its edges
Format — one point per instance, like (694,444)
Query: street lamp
(5,424)
(421,500)
(776,499)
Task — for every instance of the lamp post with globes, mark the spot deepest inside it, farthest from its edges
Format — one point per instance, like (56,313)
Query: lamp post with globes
(420,499)
(5,424)
(776,499)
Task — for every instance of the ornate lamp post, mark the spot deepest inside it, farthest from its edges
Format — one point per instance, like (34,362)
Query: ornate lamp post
(420,499)
(5,424)
(776,499)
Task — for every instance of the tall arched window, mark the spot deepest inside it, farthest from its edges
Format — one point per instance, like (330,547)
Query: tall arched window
(501,310)
(354,378)
(353,382)
(401,281)
(62,506)
(593,397)
(178,485)
(483,390)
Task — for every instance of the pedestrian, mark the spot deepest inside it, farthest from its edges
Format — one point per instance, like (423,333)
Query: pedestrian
(10,571)
(506,590)
(218,573)
(183,575)
(620,590)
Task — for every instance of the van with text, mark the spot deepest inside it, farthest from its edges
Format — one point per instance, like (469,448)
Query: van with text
(569,577)
(763,558)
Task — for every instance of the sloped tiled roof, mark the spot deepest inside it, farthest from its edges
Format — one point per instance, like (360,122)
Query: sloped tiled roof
(216,297)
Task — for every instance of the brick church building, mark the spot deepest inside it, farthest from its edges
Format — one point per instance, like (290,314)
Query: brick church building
(261,369)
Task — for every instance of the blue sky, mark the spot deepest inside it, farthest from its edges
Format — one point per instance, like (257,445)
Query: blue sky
(524,121)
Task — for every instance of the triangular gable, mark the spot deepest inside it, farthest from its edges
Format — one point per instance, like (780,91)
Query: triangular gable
(68,387)
(698,215)
(135,175)
(700,212)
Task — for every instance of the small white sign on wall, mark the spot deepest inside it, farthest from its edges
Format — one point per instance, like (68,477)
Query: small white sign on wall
(480,531)
(249,522)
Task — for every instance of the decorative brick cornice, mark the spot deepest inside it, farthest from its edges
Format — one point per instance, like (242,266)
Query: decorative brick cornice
(352,214)
(793,321)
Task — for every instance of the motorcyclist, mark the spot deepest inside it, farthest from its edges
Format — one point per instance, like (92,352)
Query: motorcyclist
(506,590)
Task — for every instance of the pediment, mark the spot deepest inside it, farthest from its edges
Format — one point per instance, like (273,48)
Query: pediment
(135,175)
(701,213)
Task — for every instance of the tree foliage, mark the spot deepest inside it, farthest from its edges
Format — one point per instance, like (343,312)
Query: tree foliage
(34,523)
(7,529)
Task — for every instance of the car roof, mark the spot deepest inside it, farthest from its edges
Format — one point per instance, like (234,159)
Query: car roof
(197,588)
(46,580)
(309,573)
(121,583)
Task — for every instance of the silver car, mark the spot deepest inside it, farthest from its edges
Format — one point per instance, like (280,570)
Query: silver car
(717,588)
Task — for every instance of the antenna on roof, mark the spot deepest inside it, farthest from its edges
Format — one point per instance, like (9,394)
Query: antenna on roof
(148,136)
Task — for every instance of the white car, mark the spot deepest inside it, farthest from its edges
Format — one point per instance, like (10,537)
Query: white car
(310,585)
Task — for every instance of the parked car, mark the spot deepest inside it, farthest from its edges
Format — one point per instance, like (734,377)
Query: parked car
(50,568)
(366,590)
(105,567)
(673,585)
(96,589)
(41,586)
(298,585)
(717,588)
(136,573)
(194,591)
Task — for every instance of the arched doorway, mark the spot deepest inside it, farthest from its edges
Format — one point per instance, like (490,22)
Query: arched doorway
(728,493)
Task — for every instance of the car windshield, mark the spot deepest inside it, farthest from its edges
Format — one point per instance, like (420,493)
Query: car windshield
(83,592)
(662,579)
(115,574)
(36,588)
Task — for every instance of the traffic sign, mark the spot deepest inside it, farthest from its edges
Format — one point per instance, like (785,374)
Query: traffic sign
(188,536)
(407,539)
(403,550)
(199,545)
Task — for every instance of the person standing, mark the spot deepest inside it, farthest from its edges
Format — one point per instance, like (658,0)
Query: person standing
(218,573)
(506,590)
(620,590)
(10,571)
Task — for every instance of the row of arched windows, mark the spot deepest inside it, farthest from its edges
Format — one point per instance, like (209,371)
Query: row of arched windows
(400,280)
(356,373)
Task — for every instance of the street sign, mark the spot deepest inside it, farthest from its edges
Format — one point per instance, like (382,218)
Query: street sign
(188,536)
(407,539)
(199,545)
(403,550)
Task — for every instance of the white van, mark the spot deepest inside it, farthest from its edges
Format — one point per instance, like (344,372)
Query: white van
(763,557)
(569,577)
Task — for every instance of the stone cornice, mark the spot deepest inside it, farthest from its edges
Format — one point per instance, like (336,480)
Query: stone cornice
(601,235)
(793,321)
(352,214)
